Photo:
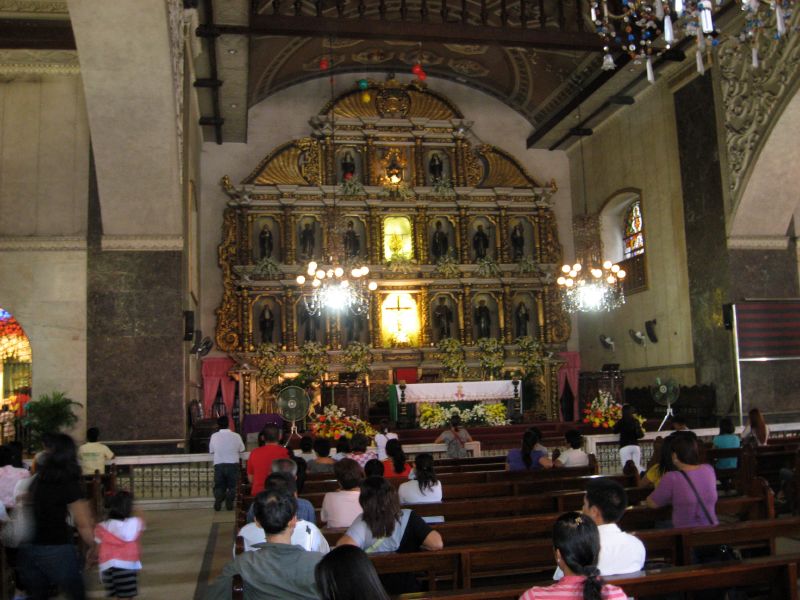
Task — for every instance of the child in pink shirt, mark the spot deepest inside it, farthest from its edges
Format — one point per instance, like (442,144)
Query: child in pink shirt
(119,550)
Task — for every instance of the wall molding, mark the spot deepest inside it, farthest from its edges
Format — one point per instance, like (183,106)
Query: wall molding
(42,243)
(142,243)
(39,62)
(758,242)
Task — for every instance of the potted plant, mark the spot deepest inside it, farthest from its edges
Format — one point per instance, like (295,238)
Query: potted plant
(51,413)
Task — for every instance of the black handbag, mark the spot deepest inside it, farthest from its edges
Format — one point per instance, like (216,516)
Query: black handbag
(706,554)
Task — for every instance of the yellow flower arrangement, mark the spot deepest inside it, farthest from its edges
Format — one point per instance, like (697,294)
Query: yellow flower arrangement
(334,424)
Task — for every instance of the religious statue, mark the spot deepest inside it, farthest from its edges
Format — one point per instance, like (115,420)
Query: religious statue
(521,318)
(440,244)
(266,324)
(483,320)
(517,242)
(348,166)
(352,245)
(265,242)
(480,243)
(436,167)
(310,326)
(442,318)
(307,241)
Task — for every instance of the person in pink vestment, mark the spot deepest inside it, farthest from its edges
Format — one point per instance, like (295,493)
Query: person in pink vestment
(576,543)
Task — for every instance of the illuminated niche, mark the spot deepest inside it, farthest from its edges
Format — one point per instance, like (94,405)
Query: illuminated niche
(397,239)
(400,320)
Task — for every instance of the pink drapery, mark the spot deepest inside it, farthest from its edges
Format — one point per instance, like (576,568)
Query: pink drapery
(215,375)
(569,373)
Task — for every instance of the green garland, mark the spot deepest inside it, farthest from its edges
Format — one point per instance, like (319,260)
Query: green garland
(487,267)
(451,353)
(313,362)
(270,362)
(266,268)
(529,355)
(492,356)
(447,267)
(357,358)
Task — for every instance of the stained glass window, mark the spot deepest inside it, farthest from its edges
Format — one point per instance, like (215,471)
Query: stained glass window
(633,238)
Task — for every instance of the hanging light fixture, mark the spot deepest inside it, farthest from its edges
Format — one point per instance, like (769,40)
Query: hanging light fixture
(591,284)
(340,284)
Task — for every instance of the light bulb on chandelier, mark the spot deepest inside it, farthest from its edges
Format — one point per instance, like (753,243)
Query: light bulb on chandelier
(593,288)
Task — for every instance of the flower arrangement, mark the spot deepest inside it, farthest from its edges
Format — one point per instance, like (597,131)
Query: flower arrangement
(492,356)
(487,267)
(603,411)
(527,265)
(451,353)
(447,267)
(443,188)
(435,416)
(357,358)
(351,187)
(313,361)
(529,355)
(266,268)
(333,424)
(269,362)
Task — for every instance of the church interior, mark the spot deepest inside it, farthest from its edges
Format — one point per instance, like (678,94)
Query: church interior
(514,209)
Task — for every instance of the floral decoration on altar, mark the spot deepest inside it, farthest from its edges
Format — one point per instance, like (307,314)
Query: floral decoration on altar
(436,416)
(334,424)
(604,411)
(491,356)
(451,353)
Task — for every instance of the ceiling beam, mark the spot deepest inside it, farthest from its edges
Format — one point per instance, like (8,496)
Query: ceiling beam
(28,34)
(373,29)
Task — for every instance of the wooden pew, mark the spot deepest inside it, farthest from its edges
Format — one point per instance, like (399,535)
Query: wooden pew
(778,573)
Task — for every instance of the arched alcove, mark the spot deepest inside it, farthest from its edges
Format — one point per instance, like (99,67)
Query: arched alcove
(15,363)
(622,227)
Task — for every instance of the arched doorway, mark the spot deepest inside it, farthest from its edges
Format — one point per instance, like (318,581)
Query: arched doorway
(15,364)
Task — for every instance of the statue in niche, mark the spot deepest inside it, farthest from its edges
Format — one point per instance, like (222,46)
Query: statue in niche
(352,327)
(310,326)
(440,244)
(352,245)
(442,319)
(517,241)
(480,243)
(483,320)
(521,318)
(348,166)
(307,241)
(265,242)
(266,323)
(436,167)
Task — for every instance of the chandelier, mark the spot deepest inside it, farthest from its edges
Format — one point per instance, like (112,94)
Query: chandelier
(335,289)
(591,289)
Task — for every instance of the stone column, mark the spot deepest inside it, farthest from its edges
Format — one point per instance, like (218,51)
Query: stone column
(375,320)
(502,237)
(246,382)
(282,304)
(459,168)
(375,240)
(537,238)
(290,340)
(289,230)
(421,230)
(369,161)
(463,228)
(539,299)
(329,158)
(466,300)
(419,162)
(424,317)
(507,329)
(247,314)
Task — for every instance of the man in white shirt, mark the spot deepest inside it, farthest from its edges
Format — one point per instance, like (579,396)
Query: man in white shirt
(620,553)
(574,456)
(225,445)
(93,455)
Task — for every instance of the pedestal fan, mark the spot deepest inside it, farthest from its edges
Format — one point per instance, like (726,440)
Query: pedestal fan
(293,403)
(666,394)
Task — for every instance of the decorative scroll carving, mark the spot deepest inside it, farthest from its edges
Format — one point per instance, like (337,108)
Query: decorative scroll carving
(294,163)
(557,326)
(310,160)
(753,98)
(502,170)
(229,323)
(411,102)
(474,168)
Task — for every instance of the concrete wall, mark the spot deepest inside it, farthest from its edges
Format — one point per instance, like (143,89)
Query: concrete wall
(44,162)
(637,148)
(284,116)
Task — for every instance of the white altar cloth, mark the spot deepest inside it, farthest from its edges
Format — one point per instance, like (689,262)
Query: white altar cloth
(465,391)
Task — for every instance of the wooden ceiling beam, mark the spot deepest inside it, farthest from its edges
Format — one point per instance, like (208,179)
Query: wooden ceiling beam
(374,29)
(28,34)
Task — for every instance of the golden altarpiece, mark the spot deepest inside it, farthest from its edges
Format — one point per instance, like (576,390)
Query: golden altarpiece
(461,240)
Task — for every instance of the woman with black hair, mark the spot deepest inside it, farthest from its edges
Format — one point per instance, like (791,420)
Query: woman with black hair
(630,432)
(51,558)
(395,465)
(347,573)
(359,451)
(576,544)
(425,488)
(386,527)
(527,457)
(662,455)
(323,463)
(456,438)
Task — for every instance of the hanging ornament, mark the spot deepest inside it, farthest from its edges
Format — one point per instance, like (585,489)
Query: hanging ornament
(679,8)
(651,76)
(669,35)
(422,75)
(608,62)
(780,22)
(416,69)
(698,59)
(324,64)
(363,84)
(366,97)
(754,56)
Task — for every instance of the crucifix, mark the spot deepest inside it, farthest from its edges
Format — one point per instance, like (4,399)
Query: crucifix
(400,335)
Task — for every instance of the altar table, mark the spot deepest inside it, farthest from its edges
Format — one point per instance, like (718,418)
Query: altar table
(463,391)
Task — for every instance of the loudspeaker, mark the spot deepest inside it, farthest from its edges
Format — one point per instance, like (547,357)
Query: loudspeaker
(727,315)
(188,325)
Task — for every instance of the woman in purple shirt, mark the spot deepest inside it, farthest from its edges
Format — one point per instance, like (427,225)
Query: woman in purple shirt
(526,458)
(675,488)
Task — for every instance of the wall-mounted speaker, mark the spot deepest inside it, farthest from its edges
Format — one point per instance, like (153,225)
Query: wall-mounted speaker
(727,315)
(188,325)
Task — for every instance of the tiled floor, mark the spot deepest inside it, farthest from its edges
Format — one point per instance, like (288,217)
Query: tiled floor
(181,549)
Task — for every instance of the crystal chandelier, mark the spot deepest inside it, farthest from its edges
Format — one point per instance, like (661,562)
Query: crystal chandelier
(334,289)
(591,289)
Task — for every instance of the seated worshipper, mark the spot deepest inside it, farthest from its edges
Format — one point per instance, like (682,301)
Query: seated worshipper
(287,466)
(620,553)
(10,476)
(323,463)
(539,447)
(305,535)
(358,450)
(305,450)
(424,488)
(691,489)
(756,431)
(93,455)
(662,462)
(382,437)
(526,457)
(456,438)
(347,573)
(342,448)
(340,508)
(396,465)
(259,465)
(576,543)
(574,456)
(278,570)
(374,468)
(385,527)
(726,439)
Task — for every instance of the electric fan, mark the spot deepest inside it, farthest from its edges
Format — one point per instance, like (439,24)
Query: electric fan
(293,404)
(665,394)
